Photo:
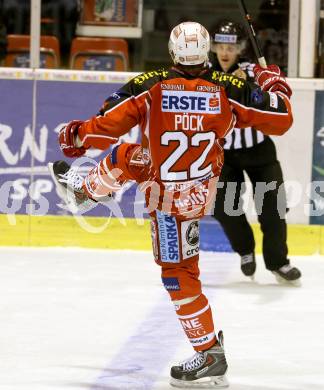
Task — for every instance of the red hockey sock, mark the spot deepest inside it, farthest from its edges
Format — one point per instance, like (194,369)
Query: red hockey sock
(197,321)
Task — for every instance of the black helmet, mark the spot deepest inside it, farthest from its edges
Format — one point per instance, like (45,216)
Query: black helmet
(228,32)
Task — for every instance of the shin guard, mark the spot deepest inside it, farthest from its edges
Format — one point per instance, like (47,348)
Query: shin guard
(197,321)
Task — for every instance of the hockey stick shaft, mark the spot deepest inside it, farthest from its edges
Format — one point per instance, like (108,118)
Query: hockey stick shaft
(249,27)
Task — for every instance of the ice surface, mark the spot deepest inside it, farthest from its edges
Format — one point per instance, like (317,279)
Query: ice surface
(77,319)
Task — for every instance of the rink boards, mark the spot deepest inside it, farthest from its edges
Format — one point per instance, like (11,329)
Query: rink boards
(38,103)
(24,230)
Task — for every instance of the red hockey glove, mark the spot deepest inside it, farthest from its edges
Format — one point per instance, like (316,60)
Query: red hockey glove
(271,79)
(67,140)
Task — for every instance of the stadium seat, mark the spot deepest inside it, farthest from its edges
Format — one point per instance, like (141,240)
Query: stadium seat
(99,54)
(19,47)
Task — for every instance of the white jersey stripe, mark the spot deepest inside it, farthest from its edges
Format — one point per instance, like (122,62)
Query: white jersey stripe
(228,141)
(260,136)
(255,109)
(238,139)
(98,136)
(206,338)
(243,138)
(248,137)
(194,314)
(124,101)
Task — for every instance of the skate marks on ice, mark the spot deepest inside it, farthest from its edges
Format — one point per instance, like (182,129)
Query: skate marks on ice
(277,382)
(65,313)
(58,311)
(156,341)
(272,332)
(262,293)
(227,275)
(144,353)
(252,386)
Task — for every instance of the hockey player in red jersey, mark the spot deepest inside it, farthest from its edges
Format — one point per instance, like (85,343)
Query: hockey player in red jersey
(184,113)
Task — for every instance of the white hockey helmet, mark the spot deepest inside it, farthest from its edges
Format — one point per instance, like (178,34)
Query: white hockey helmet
(189,44)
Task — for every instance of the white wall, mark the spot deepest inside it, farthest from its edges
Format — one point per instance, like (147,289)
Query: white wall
(295,154)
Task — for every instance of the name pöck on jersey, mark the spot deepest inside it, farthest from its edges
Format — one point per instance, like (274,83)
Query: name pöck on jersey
(191,102)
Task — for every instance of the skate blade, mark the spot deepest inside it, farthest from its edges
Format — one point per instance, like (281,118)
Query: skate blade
(69,198)
(251,277)
(212,382)
(63,192)
(284,282)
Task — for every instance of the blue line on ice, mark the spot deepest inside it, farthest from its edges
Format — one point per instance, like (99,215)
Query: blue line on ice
(145,354)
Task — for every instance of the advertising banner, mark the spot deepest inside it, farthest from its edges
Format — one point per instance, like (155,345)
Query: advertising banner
(317,196)
(25,183)
(28,143)
(110,12)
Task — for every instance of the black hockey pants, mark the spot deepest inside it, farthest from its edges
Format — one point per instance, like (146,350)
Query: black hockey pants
(261,165)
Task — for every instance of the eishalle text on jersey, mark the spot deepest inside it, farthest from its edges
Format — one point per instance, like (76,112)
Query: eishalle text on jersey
(208,88)
(173,87)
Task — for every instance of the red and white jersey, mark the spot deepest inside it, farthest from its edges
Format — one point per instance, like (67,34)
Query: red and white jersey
(183,120)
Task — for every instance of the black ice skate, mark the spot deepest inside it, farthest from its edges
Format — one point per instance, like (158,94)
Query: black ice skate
(69,187)
(288,274)
(248,265)
(205,370)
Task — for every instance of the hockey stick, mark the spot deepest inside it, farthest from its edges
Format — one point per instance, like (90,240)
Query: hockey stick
(250,30)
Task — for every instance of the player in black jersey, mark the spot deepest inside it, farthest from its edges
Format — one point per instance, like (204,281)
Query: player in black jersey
(250,151)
